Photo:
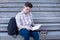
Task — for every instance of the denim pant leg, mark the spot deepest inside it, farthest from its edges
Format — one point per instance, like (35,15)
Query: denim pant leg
(35,35)
(25,33)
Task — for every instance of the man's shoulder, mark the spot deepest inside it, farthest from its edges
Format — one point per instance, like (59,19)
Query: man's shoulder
(18,15)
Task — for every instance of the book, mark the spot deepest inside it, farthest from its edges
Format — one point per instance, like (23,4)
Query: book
(36,27)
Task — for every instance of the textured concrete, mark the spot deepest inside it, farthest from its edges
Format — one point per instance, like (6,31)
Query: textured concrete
(44,12)
(5,36)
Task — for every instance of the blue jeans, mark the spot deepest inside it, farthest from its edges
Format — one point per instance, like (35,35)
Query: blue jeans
(26,34)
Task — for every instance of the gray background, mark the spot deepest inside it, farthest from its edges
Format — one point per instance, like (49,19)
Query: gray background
(46,12)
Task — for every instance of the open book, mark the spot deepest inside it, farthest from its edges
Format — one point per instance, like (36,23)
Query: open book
(36,27)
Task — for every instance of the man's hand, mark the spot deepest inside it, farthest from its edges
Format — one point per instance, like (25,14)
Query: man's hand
(29,28)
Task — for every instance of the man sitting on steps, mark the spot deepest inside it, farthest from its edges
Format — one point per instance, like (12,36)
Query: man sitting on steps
(24,21)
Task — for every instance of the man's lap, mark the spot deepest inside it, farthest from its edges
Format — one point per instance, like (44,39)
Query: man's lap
(25,32)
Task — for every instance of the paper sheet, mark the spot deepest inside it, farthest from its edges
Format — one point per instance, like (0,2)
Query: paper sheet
(36,27)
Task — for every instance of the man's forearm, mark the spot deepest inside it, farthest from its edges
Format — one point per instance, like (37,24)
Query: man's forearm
(22,26)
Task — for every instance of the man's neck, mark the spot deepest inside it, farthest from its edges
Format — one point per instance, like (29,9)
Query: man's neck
(26,13)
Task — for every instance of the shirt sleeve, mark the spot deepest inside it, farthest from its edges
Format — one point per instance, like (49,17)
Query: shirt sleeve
(18,21)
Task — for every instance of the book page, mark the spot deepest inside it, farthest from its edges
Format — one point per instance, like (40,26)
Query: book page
(36,27)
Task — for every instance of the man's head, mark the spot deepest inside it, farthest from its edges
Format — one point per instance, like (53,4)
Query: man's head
(27,7)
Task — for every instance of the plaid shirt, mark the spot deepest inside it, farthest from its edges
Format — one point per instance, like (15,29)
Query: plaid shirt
(23,20)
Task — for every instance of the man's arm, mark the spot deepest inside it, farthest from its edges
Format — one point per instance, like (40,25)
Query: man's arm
(18,21)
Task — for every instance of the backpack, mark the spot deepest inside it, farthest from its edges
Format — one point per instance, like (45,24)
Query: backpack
(12,27)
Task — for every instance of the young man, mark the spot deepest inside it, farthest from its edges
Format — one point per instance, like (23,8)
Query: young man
(24,21)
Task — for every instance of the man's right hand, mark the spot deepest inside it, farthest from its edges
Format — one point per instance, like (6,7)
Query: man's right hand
(29,28)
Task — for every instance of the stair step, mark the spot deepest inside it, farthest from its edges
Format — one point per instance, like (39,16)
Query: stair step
(53,35)
(4,20)
(37,19)
(3,28)
(3,25)
(32,10)
(5,36)
(30,1)
(35,14)
(20,5)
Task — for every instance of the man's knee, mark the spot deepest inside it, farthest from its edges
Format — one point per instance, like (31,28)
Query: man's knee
(24,32)
(35,34)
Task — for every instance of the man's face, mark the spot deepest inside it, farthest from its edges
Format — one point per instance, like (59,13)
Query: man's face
(27,10)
